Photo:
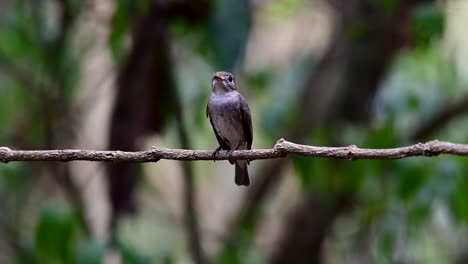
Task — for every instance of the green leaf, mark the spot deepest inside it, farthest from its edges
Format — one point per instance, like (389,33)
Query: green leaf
(55,233)
(90,253)
(228,31)
(357,30)
(13,44)
(387,242)
(238,251)
(459,201)
(9,110)
(20,35)
(121,22)
(411,177)
(283,108)
(385,247)
(427,23)
(13,178)
(304,166)
(389,5)
(285,8)
(314,173)
(130,256)
(229,255)
(418,214)
(260,80)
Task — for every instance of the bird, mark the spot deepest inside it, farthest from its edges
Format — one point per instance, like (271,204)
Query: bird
(229,115)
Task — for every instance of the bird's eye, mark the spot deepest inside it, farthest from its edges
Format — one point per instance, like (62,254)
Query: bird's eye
(230,78)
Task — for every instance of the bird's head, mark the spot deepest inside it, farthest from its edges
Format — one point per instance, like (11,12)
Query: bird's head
(223,82)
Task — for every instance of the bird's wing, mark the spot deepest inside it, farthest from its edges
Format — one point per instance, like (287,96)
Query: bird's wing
(223,143)
(246,122)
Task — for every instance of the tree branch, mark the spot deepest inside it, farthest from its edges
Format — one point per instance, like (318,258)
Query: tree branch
(440,119)
(281,149)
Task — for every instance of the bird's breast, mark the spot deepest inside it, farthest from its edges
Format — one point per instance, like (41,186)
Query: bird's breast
(225,114)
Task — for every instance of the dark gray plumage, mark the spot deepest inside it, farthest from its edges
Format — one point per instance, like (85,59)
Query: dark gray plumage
(230,118)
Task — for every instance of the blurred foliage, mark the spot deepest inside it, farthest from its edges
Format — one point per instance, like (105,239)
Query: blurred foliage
(91,252)
(123,23)
(131,256)
(55,232)
(427,24)
(230,24)
(285,8)
(396,200)
(58,240)
(281,109)
(40,67)
(120,25)
(390,5)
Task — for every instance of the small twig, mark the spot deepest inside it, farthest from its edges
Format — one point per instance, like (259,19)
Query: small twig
(281,149)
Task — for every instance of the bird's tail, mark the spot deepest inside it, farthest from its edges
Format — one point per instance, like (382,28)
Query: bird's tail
(242,174)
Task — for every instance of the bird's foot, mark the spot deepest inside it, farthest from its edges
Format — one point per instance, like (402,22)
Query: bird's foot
(215,153)
(230,155)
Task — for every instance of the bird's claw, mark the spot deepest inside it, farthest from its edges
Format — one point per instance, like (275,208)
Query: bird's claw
(215,153)
(229,158)
(230,153)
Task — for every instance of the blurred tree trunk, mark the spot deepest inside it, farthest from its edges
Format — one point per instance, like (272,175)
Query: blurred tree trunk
(145,91)
(144,100)
(56,105)
(146,97)
(95,98)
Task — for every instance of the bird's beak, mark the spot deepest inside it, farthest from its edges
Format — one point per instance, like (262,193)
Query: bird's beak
(216,78)
(216,81)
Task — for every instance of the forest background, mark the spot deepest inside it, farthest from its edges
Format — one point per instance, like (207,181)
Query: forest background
(128,75)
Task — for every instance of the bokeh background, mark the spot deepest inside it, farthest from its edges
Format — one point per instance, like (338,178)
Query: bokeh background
(128,75)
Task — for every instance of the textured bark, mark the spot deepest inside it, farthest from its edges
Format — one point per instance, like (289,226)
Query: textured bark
(281,149)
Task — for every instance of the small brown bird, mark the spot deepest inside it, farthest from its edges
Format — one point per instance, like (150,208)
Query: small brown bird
(230,118)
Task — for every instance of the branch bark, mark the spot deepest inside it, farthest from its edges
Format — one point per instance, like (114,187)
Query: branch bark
(281,149)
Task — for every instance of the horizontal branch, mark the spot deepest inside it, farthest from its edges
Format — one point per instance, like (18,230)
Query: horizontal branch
(281,149)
